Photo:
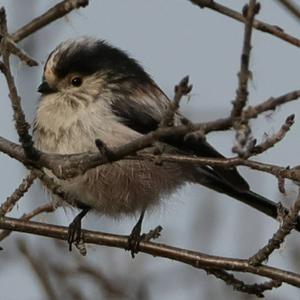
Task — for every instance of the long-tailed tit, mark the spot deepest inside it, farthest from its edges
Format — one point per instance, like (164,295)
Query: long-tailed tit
(90,91)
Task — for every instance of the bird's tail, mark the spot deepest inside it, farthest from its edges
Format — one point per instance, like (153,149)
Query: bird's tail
(210,179)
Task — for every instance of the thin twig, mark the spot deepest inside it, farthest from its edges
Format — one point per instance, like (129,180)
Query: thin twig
(11,201)
(54,13)
(241,126)
(288,224)
(87,161)
(252,112)
(67,166)
(275,138)
(290,173)
(291,7)
(152,234)
(22,126)
(45,208)
(182,89)
(20,53)
(259,25)
(244,74)
(239,285)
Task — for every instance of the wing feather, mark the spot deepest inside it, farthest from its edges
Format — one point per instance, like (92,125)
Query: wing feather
(142,107)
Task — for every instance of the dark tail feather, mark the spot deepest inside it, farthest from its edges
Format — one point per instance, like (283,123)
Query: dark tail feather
(201,148)
(207,178)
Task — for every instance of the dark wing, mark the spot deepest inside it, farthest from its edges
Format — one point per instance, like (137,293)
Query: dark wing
(141,108)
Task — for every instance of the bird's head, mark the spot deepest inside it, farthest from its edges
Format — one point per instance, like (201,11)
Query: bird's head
(84,68)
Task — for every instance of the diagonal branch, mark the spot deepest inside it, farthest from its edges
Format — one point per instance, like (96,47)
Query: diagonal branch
(291,7)
(288,224)
(259,25)
(11,201)
(56,12)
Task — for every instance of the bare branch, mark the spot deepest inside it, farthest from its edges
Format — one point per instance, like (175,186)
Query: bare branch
(291,7)
(239,285)
(244,74)
(275,138)
(288,224)
(48,207)
(195,259)
(20,53)
(270,104)
(68,166)
(241,126)
(11,201)
(259,25)
(21,124)
(56,12)
(182,89)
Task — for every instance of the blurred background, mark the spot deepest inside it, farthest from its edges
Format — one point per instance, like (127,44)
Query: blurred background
(171,38)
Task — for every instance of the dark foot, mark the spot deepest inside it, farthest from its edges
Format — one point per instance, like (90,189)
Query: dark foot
(74,232)
(135,236)
(134,240)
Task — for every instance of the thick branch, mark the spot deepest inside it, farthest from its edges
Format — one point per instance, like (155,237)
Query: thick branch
(195,259)
(45,208)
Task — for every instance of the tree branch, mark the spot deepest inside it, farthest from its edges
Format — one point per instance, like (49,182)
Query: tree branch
(291,7)
(259,25)
(11,201)
(56,12)
(195,259)
(288,224)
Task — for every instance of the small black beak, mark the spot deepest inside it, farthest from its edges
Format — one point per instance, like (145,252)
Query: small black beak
(45,88)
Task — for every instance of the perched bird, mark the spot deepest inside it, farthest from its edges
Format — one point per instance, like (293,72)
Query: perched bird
(92,90)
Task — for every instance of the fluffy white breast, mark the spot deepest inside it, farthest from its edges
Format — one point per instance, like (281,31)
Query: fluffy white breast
(67,125)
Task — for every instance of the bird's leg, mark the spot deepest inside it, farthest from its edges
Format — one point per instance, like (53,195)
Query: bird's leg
(74,232)
(135,236)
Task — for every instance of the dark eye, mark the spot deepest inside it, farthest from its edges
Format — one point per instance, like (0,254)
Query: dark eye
(76,81)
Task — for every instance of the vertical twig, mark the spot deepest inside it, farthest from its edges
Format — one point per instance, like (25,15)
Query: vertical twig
(243,130)
(22,126)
